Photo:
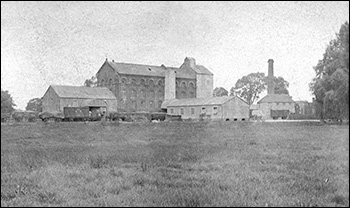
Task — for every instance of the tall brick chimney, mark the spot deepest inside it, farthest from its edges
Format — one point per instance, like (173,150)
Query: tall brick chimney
(270,84)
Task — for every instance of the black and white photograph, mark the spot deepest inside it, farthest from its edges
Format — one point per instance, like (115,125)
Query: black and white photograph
(175,103)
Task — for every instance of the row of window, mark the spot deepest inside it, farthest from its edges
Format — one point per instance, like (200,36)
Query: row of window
(143,104)
(142,93)
(203,110)
(143,82)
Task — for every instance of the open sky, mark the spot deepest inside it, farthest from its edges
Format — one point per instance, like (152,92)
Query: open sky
(45,43)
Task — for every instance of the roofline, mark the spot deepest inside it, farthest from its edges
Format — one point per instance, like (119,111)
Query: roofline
(90,98)
(192,105)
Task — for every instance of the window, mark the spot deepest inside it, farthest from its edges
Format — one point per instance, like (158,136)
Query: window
(133,104)
(133,93)
(151,104)
(204,110)
(133,81)
(192,95)
(182,111)
(183,94)
(215,110)
(160,93)
(151,94)
(110,82)
(183,84)
(192,111)
(160,103)
(123,81)
(172,111)
(143,103)
(142,93)
(191,85)
(160,82)
(142,82)
(102,82)
(151,82)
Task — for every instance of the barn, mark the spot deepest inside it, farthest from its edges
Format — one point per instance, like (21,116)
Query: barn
(97,99)
(218,108)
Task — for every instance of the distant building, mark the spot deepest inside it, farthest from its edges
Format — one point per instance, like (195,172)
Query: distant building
(96,98)
(221,108)
(303,107)
(274,106)
(145,87)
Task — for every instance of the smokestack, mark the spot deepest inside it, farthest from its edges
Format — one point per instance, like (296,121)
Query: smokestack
(270,84)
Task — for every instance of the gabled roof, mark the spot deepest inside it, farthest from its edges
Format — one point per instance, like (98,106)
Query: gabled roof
(147,70)
(197,101)
(199,69)
(65,91)
(276,98)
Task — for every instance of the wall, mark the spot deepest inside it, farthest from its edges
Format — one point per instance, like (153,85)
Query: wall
(265,108)
(142,93)
(50,101)
(170,84)
(209,111)
(80,102)
(235,109)
(204,84)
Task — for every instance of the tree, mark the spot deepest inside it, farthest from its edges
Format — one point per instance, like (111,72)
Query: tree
(35,104)
(331,84)
(249,87)
(220,91)
(92,82)
(281,85)
(7,103)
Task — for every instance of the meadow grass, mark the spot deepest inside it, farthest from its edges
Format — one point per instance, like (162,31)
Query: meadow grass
(174,164)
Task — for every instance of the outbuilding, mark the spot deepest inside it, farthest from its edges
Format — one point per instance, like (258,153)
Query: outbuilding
(96,98)
(219,108)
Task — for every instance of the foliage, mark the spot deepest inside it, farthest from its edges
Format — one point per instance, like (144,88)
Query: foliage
(7,103)
(35,104)
(249,87)
(281,85)
(331,84)
(92,82)
(220,91)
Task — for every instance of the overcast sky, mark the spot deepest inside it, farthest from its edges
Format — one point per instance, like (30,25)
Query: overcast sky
(45,43)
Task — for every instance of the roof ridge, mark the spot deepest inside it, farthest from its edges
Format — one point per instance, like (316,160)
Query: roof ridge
(142,64)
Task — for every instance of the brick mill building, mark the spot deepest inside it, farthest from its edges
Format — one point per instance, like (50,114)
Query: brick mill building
(144,87)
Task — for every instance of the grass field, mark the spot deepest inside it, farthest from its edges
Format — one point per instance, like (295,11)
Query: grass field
(175,164)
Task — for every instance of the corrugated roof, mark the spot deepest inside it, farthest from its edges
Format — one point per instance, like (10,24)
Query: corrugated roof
(197,101)
(83,92)
(147,70)
(276,98)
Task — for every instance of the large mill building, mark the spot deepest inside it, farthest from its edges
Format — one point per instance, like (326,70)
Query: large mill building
(144,87)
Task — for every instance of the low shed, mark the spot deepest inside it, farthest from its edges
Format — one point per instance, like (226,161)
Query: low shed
(222,108)
(59,96)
